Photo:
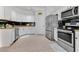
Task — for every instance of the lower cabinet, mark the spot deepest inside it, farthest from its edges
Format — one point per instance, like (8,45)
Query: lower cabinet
(20,31)
(7,36)
(77,40)
(26,31)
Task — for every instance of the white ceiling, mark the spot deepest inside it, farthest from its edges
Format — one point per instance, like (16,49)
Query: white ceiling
(38,7)
(33,9)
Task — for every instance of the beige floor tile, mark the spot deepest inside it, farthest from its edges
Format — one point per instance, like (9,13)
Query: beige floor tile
(33,43)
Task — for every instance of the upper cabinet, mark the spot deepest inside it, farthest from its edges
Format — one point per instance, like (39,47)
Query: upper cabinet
(13,15)
(2,13)
(16,14)
(28,18)
(5,13)
(19,17)
(22,16)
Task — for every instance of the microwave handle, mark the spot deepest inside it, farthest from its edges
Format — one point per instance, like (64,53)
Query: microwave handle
(73,11)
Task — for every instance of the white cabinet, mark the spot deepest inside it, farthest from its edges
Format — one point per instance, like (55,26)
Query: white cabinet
(7,36)
(13,15)
(1,12)
(28,18)
(21,32)
(30,30)
(16,16)
(20,17)
(5,12)
(26,30)
(77,40)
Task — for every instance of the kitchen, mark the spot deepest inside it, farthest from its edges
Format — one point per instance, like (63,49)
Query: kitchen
(18,22)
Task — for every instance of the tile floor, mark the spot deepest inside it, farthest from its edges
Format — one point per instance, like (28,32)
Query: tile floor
(33,43)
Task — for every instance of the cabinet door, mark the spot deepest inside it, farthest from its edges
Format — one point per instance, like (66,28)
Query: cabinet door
(7,11)
(28,30)
(18,17)
(1,12)
(48,22)
(13,15)
(7,40)
(54,21)
(12,36)
(21,32)
(31,30)
(77,40)
(23,18)
(28,18)
(25,31)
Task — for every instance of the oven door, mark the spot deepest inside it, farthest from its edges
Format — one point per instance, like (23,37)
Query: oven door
(66,37)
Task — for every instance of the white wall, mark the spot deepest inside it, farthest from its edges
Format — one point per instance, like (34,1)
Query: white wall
(40,22)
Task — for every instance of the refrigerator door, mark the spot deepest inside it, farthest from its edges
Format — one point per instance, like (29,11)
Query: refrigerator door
(54,21)
(48,23)
(54,26)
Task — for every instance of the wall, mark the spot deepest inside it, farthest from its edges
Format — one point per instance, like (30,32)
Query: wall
(40,22)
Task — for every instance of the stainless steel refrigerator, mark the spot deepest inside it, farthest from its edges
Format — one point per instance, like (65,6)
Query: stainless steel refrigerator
(51,27)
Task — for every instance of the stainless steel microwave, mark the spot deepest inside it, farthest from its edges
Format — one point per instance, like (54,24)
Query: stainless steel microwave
(71,12)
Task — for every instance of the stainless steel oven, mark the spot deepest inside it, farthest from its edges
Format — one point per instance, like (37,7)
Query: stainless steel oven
(66,39)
